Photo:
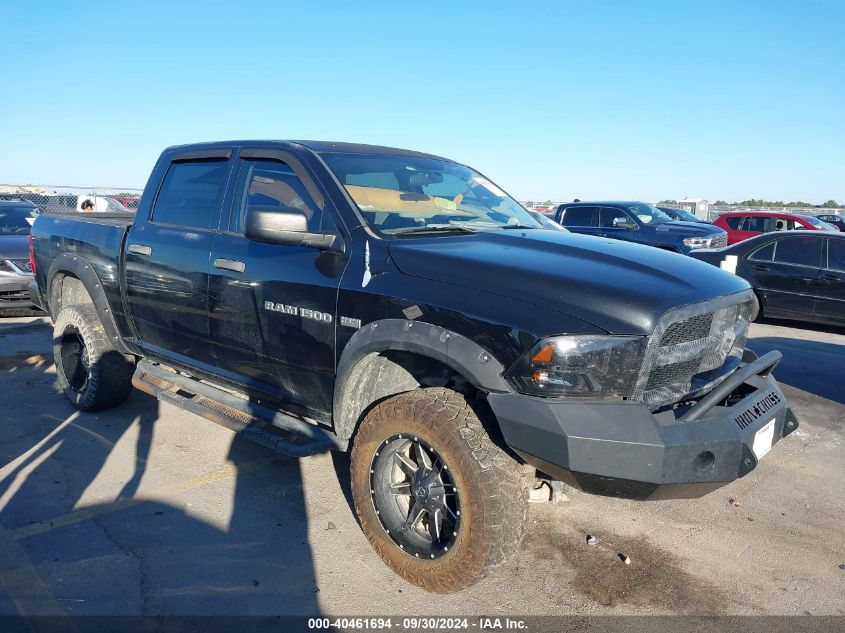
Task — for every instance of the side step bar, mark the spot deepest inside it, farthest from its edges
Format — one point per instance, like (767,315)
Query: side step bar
(279,431)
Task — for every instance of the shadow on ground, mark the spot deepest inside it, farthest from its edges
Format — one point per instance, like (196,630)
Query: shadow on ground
(802,359)
(142,550)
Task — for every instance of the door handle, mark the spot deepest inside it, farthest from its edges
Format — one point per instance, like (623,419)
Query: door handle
(140,249)
(832,276)
(759,267)
(230,264)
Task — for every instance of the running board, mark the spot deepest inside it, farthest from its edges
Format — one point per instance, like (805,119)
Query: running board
(279,431)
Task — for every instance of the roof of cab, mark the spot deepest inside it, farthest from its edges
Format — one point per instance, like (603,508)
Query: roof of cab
(316,146)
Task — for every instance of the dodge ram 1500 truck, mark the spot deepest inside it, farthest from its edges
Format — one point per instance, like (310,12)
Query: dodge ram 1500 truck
(316,296)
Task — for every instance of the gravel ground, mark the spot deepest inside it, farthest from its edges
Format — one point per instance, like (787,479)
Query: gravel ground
(146,509)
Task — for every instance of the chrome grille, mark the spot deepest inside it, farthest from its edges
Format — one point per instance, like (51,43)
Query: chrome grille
(14,295)
(719,242)
(693,348)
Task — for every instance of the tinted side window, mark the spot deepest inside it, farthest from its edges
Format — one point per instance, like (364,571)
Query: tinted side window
(758,224)
(836,254)
(270,183)
(579,216)
(734,222)
(190,194)
(806,251)
(764,254)
(607,215)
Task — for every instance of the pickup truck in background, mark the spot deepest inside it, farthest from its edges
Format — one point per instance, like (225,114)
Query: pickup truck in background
(317,296)
(638,222)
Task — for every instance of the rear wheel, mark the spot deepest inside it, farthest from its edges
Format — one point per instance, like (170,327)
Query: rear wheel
(437,499)
(91,372)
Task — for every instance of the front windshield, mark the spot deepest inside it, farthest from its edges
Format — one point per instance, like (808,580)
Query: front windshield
(648,214)
(404,194)
(15,220)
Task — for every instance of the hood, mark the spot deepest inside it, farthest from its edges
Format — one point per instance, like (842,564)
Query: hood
(620,287)
(14,246)
(687,229)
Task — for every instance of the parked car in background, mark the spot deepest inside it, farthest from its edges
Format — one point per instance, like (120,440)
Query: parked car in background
(836,220)
(130,202)
(742,225)
(682,215)
(16,219)
(638,222)
(798,275)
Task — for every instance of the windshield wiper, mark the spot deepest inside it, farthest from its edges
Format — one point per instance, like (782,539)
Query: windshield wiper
(452,228)
(506,227)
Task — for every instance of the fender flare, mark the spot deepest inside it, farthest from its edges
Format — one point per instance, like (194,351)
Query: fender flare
(81,268)
(461,354)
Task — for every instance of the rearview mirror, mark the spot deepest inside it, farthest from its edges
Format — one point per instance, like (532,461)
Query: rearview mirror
(624,223)
(287,226)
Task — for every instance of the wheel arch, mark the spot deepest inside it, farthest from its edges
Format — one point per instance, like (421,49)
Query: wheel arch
(375,365)
(72,280)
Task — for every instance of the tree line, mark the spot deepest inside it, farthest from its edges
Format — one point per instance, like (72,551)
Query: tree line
(759,202)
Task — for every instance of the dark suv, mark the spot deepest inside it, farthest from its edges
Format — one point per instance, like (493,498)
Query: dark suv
(638,222)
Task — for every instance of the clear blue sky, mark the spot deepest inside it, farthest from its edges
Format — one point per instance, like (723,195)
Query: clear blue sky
(554,100)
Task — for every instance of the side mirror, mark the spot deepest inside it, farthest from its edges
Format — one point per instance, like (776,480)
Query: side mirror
(624,223)
(284,225)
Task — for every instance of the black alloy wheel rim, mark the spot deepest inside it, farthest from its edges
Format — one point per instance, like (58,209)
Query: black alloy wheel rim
(75,361)
(415,497)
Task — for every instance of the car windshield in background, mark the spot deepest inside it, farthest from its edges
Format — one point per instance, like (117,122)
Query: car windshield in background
(686,215)
(814,221)
(648,214)
(408,195)
(16,220)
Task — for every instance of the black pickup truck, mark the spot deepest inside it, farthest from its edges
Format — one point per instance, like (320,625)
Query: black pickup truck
(318,296)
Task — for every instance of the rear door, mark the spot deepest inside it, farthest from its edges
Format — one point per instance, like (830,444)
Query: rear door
(580,219)
(831,301)
(754,225)
(787,274)
(272,306)
(167,258)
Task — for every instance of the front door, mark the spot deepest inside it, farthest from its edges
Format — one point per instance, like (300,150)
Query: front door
(788,275)
(167,260)
(612,223)
(272,306)
(831,302)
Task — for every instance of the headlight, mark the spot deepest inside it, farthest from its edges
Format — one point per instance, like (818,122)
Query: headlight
(698,242)
(585,366)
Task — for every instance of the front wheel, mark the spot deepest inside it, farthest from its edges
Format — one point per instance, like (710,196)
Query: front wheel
(91,372)
(437,499)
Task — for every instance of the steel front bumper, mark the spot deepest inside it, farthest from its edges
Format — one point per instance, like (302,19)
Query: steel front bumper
(623,449)
(14,291)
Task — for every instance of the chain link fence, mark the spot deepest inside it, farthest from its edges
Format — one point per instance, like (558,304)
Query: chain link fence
(71,199)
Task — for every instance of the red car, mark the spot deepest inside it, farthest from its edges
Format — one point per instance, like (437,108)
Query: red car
(741,225)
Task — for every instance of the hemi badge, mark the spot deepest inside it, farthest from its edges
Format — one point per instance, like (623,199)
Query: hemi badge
(350,322)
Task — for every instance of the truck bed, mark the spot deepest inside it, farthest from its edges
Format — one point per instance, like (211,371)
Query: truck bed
(92,239)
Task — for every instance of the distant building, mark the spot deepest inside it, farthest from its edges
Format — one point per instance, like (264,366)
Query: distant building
(697,206)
